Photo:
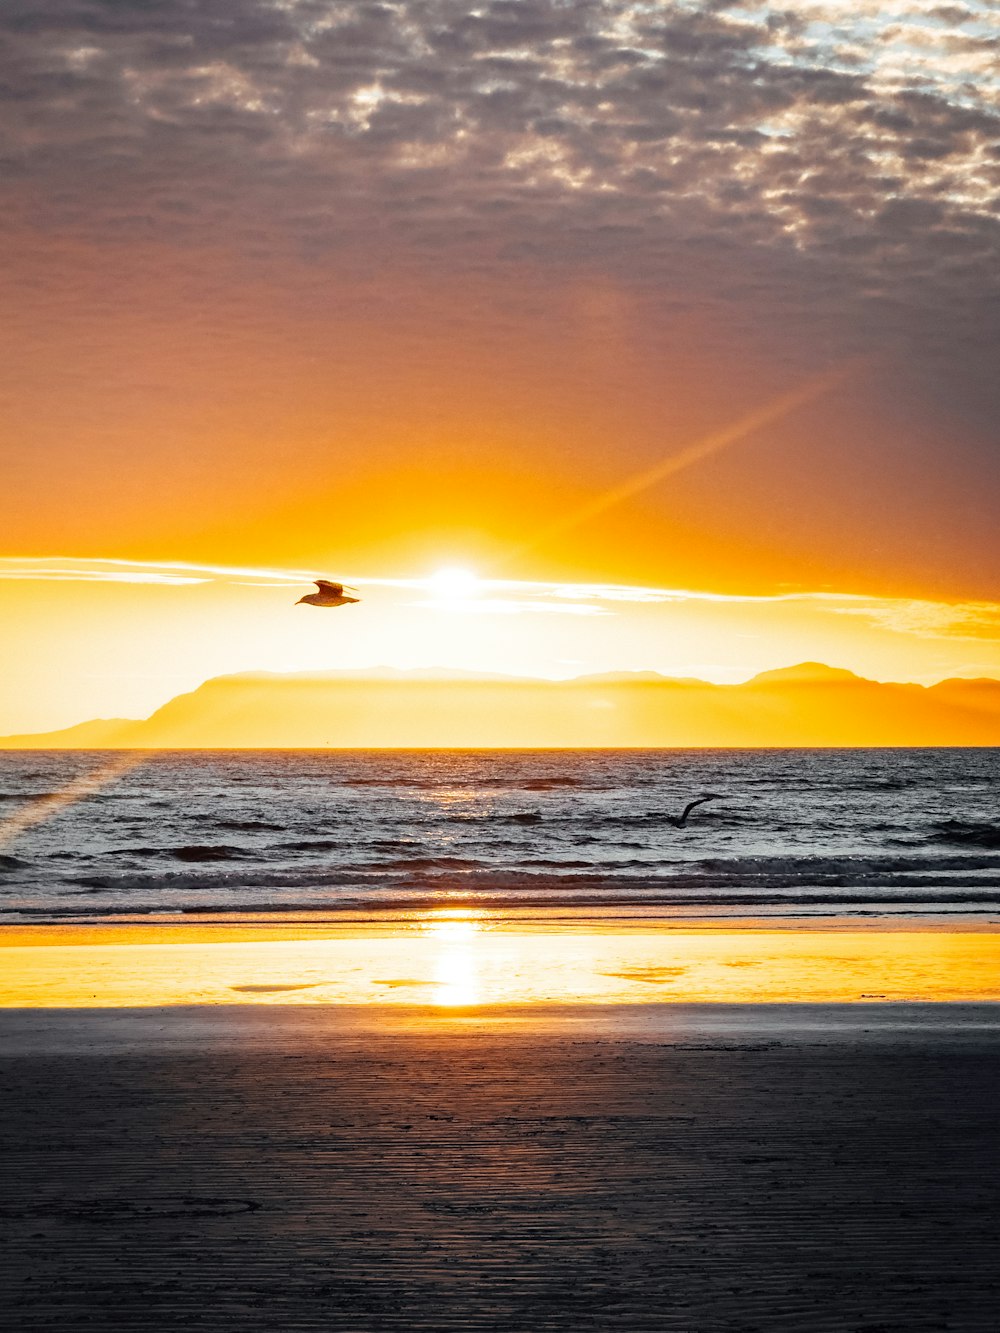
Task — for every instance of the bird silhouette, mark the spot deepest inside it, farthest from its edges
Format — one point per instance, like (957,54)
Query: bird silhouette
(330,594)
(680,821)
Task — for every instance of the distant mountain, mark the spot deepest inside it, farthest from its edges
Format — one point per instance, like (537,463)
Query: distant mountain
(101,734)
(807,673)
(809,704)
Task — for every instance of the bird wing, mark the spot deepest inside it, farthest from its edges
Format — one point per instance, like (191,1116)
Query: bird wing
(324,585)
(700,801)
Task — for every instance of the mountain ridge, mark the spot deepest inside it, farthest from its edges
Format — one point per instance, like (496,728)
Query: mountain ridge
(807,704)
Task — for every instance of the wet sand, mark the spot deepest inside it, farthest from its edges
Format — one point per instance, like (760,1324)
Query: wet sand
(459,957)
(657,1167)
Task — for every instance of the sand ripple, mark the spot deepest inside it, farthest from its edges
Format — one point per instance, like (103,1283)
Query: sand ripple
(483,1182)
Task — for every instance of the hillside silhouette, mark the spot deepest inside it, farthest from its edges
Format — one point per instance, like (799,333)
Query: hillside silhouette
(805,705)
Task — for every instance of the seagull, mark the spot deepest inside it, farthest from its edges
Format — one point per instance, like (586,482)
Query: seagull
(330,594)
(680,821)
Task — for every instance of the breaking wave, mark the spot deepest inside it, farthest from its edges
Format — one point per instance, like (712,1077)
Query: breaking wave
(960,833)
(217,852)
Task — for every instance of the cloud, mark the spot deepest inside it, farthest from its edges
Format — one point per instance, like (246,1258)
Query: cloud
(501,606)
(929,620)
(100,570)
(845,151)
(46,574)
(916,617)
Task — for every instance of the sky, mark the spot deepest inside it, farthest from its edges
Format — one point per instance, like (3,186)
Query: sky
(698,301)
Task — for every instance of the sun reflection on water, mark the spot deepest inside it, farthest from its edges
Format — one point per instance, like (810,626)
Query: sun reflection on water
(457,961)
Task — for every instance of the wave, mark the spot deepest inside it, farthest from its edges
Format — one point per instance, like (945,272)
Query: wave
(207,852)
(12,863)
(523,896)
(553,784)
(966,833)
(490,817)
(664,818)
(479,782)
(191,852)
(244,825)
(834,882)
(309,845)
(838,865)
(432,863)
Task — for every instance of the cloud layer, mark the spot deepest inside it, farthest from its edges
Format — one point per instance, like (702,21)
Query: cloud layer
(922,618)
(837,153)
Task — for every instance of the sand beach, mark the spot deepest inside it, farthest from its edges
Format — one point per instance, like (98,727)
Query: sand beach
(568,1165)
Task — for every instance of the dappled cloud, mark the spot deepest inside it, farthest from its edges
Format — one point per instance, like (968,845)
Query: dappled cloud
(862,135)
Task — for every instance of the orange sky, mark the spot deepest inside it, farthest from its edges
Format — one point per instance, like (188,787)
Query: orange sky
(263,435)
(381,292)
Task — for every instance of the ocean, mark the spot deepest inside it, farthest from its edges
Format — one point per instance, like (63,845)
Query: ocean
(794,834)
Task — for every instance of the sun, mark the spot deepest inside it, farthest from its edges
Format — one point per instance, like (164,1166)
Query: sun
(454,584)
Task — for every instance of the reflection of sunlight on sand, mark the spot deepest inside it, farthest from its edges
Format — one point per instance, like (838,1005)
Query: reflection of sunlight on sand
(456,958)
(456,964)
(460,923)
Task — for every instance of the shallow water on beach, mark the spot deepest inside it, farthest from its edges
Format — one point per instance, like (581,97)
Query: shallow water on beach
(804,834)
(449,962)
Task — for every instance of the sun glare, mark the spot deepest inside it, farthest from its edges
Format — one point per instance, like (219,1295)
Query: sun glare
(454,584)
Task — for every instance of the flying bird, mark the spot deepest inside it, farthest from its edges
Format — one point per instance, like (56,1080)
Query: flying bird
(680,821)
(330,594)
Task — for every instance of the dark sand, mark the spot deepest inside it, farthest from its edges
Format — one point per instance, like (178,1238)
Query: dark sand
(688,1168)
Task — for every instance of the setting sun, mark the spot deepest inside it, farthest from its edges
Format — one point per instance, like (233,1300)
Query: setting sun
(454,584)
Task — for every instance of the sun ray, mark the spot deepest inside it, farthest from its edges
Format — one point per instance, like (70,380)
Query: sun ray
(713,443)
(86,785)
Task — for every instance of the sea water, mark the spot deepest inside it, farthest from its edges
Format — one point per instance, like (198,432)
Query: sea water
(791,834)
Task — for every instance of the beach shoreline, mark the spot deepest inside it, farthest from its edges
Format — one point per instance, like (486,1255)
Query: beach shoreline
(239,926)
(293,1027)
